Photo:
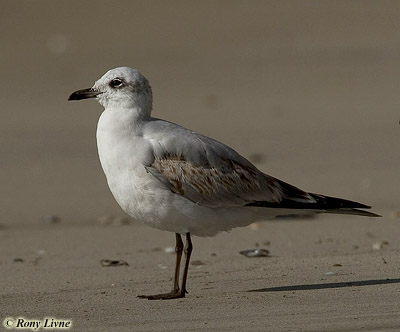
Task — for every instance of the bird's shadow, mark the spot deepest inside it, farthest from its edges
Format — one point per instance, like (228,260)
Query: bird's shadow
(327,285)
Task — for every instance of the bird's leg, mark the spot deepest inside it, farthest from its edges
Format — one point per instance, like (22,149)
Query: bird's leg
(178,251)
(188,253)
(175,293)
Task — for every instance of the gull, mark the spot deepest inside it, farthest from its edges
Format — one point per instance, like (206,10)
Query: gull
(177,180)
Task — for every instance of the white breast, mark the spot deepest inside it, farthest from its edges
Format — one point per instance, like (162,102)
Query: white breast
(123,153)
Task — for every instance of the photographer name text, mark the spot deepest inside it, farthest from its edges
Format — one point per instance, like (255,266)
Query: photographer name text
(22,323)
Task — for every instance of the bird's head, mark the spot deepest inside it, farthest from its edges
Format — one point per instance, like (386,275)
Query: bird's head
(122,87)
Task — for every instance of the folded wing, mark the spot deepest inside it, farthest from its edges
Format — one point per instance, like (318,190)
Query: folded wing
(211,174)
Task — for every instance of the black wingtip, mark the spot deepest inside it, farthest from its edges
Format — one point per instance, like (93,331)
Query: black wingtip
(333,203)
(355,212)
(343,206)
(322,203)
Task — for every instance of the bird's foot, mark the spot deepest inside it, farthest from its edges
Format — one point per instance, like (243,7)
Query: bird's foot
(166,296)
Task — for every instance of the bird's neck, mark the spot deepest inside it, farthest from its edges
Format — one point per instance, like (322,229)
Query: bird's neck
(117,120)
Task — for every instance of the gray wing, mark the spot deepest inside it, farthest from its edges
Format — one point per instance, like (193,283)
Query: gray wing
(210,173)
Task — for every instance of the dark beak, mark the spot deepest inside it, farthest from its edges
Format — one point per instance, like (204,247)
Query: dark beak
(83,94)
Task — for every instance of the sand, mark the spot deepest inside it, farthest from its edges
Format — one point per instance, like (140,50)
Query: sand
(307,90)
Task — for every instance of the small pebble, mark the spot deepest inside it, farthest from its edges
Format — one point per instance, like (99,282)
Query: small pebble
(18,260)
(169,250)
(255,253)
(329,273)
(109,262)
(379,245)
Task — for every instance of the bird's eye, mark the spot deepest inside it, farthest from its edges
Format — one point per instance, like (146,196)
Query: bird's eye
(116,83)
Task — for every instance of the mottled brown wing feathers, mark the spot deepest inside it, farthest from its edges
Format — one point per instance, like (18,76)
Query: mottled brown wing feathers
(230,184)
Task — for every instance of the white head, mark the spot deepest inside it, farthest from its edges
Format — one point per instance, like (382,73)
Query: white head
(122,87)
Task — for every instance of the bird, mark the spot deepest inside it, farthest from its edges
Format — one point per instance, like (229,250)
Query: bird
(177,180)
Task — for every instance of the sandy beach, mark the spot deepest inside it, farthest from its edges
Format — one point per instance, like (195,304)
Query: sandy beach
(306,90)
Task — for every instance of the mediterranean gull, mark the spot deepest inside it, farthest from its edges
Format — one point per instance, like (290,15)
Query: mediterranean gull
(180,181)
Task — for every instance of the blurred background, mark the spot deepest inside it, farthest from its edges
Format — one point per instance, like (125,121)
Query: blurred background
(307,90)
